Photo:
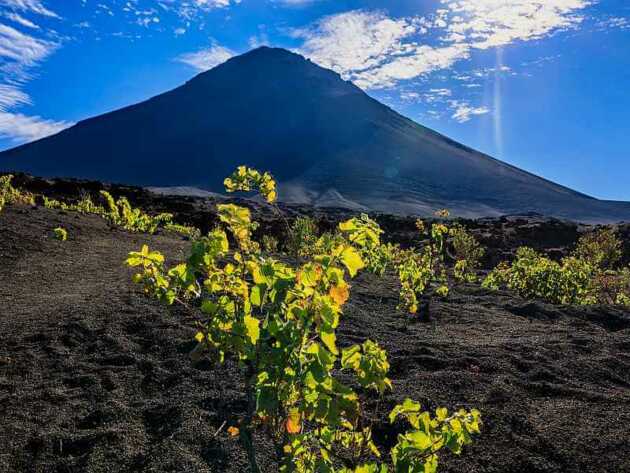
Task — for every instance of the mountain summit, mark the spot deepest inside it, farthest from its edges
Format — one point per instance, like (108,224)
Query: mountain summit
(327,142)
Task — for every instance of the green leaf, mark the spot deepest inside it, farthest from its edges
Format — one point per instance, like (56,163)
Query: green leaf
(329,339)
(407,407)
(256,295)
(420,440)
(431,464)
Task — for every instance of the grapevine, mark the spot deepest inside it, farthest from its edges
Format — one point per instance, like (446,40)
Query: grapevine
(60,233)
(120,212)
(280,322)
(574,280)
(11,195)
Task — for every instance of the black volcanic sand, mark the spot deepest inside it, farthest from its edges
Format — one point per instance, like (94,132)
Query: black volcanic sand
(96,378)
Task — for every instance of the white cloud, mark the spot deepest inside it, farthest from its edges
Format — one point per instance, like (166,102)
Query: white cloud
(20,20)
(354,41)
(190,10)
(463,111)
(214,3)
(618,22)
(206,58)
(375,50)
(21,128)
(490,23)
(22,48)
(11,96)
(296,3)
(35,6)
(19,52)
(419,61)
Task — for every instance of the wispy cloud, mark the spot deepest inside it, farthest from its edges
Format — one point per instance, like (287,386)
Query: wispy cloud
(19,53)
(463,111)
(21,128)
(34,6)
(11,96)
(296,3)
(613,22)
(192,10)
(22,48)
(19,19)
(206,58)
(432,96)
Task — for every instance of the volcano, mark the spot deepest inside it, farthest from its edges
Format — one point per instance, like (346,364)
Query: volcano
(327,142)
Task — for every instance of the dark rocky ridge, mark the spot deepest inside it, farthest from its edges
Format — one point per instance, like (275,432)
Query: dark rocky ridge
(328,143)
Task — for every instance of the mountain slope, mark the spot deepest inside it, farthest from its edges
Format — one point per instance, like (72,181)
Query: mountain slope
(326,141)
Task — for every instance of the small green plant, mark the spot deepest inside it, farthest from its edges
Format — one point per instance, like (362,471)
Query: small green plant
(279,321)
(422,272)
(302,237)
(612,287)
(600,248)
(120,212)
(11,195)
(246,179)
(192,233)
(55,204)
(416,271)
(585,277)
(468,253)
(365,234)
(84,206)
(60,233)
(532,275)
(270,244)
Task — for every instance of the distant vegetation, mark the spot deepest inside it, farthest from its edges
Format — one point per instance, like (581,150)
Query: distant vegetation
(301,237)
(11,195)
(121,213)
(588,276)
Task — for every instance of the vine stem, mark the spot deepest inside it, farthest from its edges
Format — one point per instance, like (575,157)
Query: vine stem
(246,436)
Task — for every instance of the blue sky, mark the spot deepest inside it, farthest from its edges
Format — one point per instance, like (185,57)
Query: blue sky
(541,84)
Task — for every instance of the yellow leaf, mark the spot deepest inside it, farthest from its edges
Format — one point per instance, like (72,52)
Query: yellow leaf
(253,328)
(456,425)
(352,260)
(199,337)
(233,431)
(442,413)
(339,294)
(294,424)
